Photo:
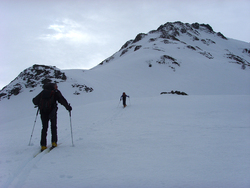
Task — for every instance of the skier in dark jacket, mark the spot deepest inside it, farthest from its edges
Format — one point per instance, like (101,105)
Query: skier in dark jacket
(123,98)
(51,114)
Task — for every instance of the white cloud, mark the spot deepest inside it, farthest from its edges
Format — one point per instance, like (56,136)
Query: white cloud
(67,30)
(58,28)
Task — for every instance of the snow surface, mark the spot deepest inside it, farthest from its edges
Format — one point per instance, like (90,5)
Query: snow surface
(161,141)
(197,141)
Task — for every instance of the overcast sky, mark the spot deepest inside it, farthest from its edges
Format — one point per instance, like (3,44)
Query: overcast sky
(79,34)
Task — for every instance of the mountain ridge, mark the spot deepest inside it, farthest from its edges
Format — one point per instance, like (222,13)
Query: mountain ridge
(195,51)
(170,33)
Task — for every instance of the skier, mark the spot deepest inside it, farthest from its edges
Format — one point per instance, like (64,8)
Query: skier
(123,98)
(48,111)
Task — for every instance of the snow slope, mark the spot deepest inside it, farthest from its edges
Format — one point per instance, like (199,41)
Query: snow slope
(161,141)
(199,140)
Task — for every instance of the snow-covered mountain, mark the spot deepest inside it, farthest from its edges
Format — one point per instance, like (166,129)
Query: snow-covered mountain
(37,76)
(190,58)
(160,140)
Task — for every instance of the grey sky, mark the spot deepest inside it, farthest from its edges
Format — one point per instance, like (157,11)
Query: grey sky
(74,34)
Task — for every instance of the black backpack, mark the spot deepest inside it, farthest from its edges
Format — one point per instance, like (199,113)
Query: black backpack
(47,102)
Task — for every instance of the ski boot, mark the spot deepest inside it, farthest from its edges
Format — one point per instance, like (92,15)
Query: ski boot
(43,148)
(54,144)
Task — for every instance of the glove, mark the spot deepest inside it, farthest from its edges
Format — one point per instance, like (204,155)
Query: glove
(69,108)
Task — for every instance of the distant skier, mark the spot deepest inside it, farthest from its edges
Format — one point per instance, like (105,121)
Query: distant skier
(123,98)
(46,101)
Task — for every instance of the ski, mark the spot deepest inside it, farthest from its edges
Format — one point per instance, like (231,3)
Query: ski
(40,152)
(52,147)
(47,150)
(37,154)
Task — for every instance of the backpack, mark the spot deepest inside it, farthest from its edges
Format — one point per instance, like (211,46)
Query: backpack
(47,101)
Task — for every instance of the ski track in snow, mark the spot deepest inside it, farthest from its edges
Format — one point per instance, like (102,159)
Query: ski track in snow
(18,178)
(163,141)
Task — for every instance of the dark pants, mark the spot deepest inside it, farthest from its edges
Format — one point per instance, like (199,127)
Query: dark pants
(52,117)
(124,101)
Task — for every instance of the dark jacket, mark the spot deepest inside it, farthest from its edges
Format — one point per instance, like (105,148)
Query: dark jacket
(58,97)
(123,97)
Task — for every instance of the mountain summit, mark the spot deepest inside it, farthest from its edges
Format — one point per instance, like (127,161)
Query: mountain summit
(190,58)
(180,56)
(198,38)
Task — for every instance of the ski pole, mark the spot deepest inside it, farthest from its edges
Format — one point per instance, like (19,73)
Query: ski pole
(119,103)
(71,128)
(34,126)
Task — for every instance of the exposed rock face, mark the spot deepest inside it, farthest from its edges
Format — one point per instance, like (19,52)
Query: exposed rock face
(199,38)
(38,75)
